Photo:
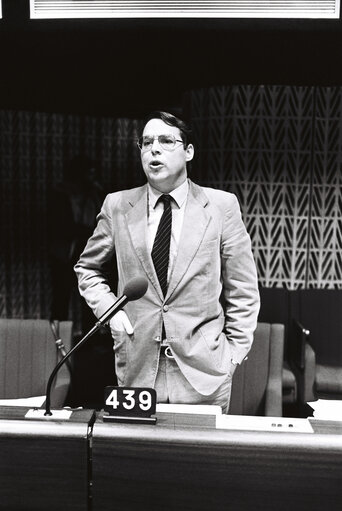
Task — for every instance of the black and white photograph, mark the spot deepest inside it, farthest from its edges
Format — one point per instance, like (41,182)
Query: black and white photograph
(170,255)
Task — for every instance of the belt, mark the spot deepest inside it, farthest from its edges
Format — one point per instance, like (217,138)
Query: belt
(166,351)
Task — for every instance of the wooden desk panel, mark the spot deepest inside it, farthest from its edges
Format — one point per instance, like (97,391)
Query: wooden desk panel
(43,464)
(165,468)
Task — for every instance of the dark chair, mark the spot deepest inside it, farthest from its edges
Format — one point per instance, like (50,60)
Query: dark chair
(302,362)
(320,313)
(257,382)
(276,308)
(28,354)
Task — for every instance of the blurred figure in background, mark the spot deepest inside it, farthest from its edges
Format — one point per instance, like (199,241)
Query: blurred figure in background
(72,209)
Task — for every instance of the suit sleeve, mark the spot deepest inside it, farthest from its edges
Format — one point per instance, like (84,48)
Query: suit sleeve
(92,268)
(240,286)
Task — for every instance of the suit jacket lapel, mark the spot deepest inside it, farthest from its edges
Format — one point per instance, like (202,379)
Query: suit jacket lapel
(196,220)
(136,218)
(195,223)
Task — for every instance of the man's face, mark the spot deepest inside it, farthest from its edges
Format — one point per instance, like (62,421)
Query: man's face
(164,169)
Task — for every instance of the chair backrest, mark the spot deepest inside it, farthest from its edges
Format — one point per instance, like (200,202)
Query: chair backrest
(275,308)
(28,354)
(320,311)
(257,382)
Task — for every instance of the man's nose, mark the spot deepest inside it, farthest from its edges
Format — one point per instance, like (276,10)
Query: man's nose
(155,146)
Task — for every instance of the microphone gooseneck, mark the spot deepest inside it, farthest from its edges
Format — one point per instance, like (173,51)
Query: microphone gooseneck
(134,289)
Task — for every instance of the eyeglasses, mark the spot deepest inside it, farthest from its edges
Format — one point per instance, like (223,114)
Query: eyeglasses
(167,142)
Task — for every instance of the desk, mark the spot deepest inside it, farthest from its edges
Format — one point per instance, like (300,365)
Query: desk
(44,464)
(164,467)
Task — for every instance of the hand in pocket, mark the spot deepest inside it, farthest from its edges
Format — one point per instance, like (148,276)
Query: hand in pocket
(121,323)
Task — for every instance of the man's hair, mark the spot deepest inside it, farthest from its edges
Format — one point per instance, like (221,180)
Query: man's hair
(172,120)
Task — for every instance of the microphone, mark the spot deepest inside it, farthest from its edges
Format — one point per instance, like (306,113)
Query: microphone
(133,290)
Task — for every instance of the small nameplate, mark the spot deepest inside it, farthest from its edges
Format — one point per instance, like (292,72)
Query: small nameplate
(130,404)
(251,423)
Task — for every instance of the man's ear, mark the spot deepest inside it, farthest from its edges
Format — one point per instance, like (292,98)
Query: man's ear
(190,151)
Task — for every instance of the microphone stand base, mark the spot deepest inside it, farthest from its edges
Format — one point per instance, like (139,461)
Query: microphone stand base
(39,413)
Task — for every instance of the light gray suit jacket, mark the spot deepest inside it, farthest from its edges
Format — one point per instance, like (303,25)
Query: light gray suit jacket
(214,265)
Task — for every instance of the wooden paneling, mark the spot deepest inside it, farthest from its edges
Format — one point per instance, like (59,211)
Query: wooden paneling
(159,467)
(43,464)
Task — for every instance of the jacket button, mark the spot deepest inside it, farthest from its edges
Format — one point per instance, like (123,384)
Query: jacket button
(165,308)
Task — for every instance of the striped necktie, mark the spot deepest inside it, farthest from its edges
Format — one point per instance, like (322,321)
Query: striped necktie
(161,246)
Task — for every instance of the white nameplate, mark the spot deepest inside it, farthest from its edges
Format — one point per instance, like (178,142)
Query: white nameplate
(251,423)
(24,401)
(190,409)
(34,413)
(327,409)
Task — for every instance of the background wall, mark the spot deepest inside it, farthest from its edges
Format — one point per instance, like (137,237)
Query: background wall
(126,67)
(279,148)
(35,149)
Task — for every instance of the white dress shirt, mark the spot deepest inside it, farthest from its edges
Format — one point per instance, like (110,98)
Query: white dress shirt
(155,211)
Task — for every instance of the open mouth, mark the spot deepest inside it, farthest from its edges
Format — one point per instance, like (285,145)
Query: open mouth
(155,164)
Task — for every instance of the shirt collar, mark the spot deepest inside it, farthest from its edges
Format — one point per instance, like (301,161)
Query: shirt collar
(179,194)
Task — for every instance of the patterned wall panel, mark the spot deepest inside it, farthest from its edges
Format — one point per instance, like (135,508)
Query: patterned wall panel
(35,149)
(278,148)
(325,254)
(256,142)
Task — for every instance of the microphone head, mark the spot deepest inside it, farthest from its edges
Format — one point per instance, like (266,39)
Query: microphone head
(135,288)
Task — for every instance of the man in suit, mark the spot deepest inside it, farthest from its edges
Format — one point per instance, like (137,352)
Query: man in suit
(195,323)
